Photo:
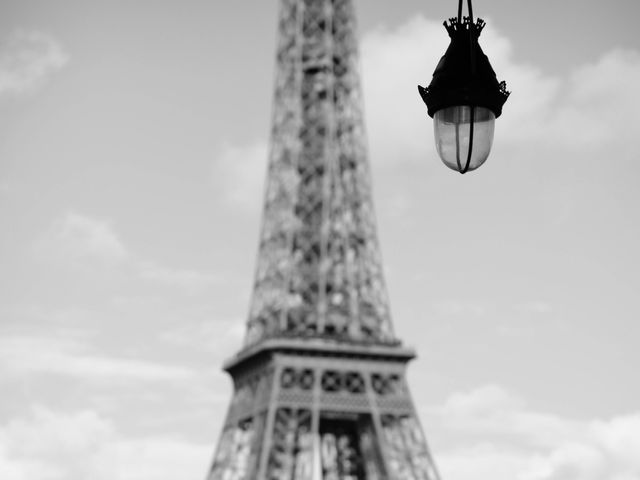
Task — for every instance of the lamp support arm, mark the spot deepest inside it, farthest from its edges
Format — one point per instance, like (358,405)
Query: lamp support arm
(469,7)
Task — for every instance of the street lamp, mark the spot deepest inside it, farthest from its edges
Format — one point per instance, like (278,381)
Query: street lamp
(464,97)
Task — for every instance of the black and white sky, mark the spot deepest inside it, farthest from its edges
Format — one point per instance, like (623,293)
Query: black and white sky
(133,149)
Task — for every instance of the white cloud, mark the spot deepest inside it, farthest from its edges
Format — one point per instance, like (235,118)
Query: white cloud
(27,59)
(482,461)
(240,172)
(49,445)
(601,102)
(462,308)
(56,446)
(76,238)
(191,281)
(619,438)
(162,458)
(494,434)
(79,240)
(212,335)
(493,410)
(21,355)
(527,318)
(394,62)
(480,403)
(535,307)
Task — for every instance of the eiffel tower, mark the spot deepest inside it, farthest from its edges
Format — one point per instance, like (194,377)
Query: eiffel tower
(320,391)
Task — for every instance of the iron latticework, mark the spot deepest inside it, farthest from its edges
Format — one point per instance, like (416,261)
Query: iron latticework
(319,387)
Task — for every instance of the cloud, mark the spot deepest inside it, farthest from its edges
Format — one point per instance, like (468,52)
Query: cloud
(394,62)
(53,445)
(23,354)
(600,102)
(80,240)
(493,410)
(27,58)
(191,281)
(492,432)
(222,336)
(482,461)
(462,308)
(240,172)
(76,238)
(535,307)
(162,458)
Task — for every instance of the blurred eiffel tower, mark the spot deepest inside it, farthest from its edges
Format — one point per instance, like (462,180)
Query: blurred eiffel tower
(319,386)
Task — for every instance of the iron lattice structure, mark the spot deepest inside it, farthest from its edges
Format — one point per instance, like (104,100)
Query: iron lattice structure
(319,387)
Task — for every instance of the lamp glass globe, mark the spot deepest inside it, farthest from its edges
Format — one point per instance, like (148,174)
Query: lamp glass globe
(452,129)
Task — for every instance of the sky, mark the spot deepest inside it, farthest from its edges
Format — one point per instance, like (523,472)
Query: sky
(133,149)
